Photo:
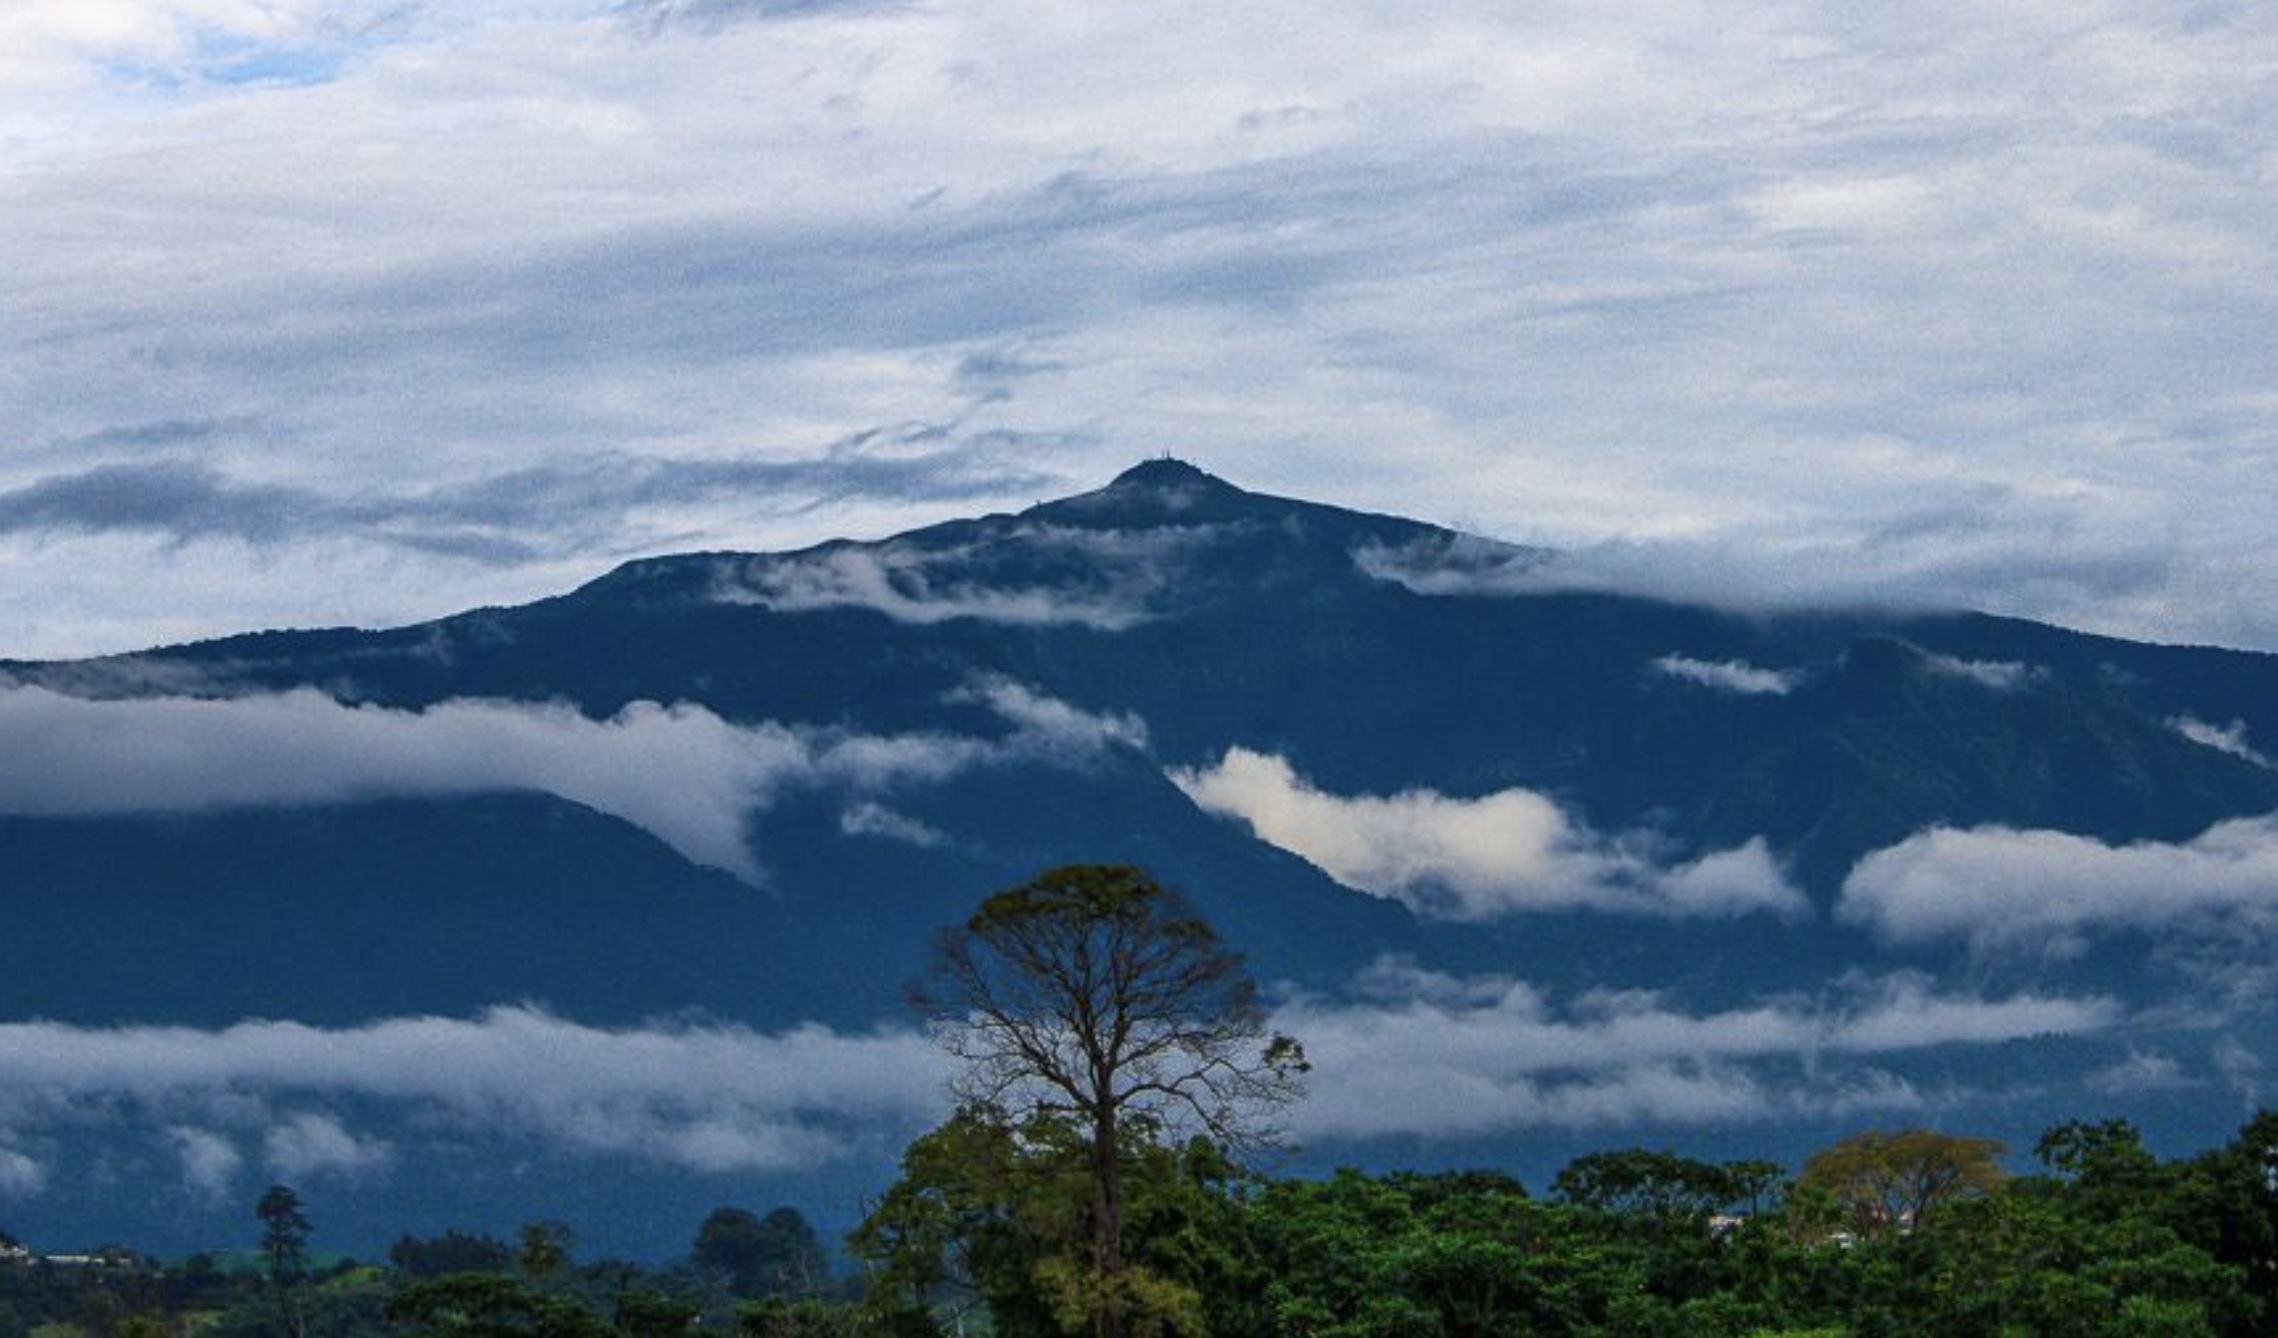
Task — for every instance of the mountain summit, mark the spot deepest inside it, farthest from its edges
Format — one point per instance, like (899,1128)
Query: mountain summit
(1155,492)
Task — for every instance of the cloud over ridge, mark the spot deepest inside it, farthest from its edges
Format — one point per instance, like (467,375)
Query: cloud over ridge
(2001,888)
(680,772)
(1734,676)
(1511,852)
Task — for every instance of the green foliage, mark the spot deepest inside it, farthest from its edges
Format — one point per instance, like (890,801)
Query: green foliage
(987,1232)
(1659,1187)
(451,1252)
(1885,1183)
(284,1234)
(753,1258)
(810,1318)
(1089,1009)
(543,1249)
(477,1305)
(994,1218)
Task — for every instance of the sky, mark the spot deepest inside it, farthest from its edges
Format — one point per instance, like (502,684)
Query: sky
(364,311)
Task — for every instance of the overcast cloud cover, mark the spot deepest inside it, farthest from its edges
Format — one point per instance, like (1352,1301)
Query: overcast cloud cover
(362,310)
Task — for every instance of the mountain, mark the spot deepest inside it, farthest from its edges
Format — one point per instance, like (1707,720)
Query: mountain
(738,790)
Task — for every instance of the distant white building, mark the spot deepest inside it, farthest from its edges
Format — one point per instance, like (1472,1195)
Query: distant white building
(12,1253)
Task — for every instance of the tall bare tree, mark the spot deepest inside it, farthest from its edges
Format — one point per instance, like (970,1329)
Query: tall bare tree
(1091,993)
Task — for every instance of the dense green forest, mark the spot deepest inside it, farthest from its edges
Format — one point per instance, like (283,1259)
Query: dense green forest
(986,1231)
(1116,1067)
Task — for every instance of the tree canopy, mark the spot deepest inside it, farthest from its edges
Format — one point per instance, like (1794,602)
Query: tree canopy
(1091,1001)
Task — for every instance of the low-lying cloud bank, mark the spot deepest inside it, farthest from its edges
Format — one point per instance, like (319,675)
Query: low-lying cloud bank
(1480,858)
(1956,561)
(1106,579)
(2001,888)
(902,586)
(681,772)
(715,1098)
(1457,564)
(1498,1054)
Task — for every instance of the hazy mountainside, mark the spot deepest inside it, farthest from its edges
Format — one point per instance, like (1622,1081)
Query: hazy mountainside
(749,786)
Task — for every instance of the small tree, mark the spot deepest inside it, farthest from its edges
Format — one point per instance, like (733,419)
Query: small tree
(1092,995)
(754,1258)
(284,1251)
(542,1251)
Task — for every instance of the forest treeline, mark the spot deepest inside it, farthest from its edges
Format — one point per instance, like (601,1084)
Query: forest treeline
(986,1231)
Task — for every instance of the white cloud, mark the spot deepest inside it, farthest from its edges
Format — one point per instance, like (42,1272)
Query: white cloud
(1455,564)
(20,1176)
(1049,724)
(2003,546)
(1736,676)
(2140,1071)
(680,771)
(872,819)
(210,1160)
(2046,891)
(2241,1068)
(2230,738)
(897,583)
(1498,1054)
(1479,858)
(309,1143)
(1107,579)
(76,42)
(1997,675)
(714,1098)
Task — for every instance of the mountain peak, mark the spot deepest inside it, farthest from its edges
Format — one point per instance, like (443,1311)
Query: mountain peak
(1161,491)
(1168,472)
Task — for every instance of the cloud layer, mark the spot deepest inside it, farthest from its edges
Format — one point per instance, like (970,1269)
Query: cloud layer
(1972,306)
(1480,858)
(2045,891)
(1497,1054)
(681,772)
(714,1098)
